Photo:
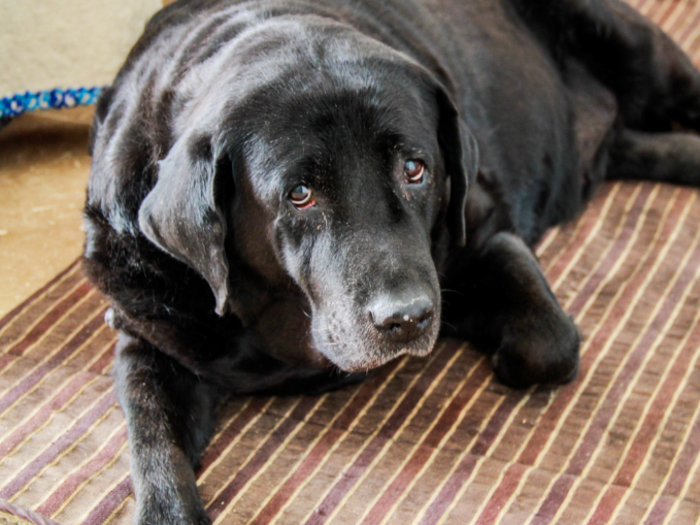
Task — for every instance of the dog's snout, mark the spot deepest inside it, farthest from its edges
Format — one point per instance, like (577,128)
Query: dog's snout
(402,317)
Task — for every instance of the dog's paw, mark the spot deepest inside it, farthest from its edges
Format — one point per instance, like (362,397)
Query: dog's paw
(548,355)
(165,507)
(166,517)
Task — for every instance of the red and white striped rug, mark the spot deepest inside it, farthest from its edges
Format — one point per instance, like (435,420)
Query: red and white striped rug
(424,441)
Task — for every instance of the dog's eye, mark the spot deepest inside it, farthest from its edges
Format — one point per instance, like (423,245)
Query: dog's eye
(302,197)
(413,171)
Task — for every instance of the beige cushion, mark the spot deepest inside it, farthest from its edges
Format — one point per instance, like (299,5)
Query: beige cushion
(49,44)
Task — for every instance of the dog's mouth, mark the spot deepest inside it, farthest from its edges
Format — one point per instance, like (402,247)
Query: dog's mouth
(362,347)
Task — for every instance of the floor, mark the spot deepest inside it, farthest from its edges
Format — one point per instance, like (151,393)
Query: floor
(44,167)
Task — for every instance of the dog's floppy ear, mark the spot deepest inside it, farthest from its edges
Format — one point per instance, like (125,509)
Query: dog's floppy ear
(181,214)
(461,157)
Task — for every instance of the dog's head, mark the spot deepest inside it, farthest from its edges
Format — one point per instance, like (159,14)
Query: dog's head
(312,166)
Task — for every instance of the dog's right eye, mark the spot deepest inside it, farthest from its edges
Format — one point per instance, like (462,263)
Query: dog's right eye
(413,171)
(302,197)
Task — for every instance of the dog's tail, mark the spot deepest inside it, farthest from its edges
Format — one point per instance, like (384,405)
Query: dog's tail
(662,157)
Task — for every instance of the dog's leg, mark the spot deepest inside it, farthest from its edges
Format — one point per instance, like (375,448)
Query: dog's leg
(501,299)
(662,157)
(169,415)
(655,83)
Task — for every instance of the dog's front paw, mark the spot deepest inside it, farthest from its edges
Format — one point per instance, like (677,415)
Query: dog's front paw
(158,517)
(546,354)
(159,510)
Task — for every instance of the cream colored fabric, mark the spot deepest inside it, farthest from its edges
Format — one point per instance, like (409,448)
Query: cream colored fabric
(47,44)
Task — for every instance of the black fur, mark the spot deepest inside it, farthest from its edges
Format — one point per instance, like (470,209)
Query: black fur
(220,285)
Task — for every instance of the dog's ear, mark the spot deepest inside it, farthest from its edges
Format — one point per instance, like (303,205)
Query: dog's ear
(183,213)
(461,157)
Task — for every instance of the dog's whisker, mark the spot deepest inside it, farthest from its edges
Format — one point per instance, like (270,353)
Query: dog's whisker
(449,325)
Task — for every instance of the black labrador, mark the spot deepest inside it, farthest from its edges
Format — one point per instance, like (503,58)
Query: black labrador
(281,188)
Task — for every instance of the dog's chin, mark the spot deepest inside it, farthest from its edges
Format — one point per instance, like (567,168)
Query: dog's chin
(360,355)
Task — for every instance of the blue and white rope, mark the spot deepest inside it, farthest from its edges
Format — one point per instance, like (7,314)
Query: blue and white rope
(54,99)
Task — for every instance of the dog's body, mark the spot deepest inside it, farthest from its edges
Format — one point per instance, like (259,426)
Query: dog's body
(281,189)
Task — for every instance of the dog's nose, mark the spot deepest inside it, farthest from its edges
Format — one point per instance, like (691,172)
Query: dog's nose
(402,317)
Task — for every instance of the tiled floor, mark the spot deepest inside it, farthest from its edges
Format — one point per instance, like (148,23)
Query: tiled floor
(44,166)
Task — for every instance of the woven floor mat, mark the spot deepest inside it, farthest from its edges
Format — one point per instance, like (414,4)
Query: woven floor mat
(423,441)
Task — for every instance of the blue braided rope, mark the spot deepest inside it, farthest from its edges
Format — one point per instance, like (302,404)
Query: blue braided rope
(54,99)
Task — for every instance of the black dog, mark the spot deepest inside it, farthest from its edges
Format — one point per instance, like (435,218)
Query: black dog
(281,188)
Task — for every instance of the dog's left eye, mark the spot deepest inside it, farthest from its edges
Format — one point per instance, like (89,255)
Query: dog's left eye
(413,171)
(302,197)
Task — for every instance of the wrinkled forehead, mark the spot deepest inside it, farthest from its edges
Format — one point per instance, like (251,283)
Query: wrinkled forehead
(330,134)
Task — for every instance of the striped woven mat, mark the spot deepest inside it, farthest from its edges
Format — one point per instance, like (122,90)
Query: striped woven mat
(423,441)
